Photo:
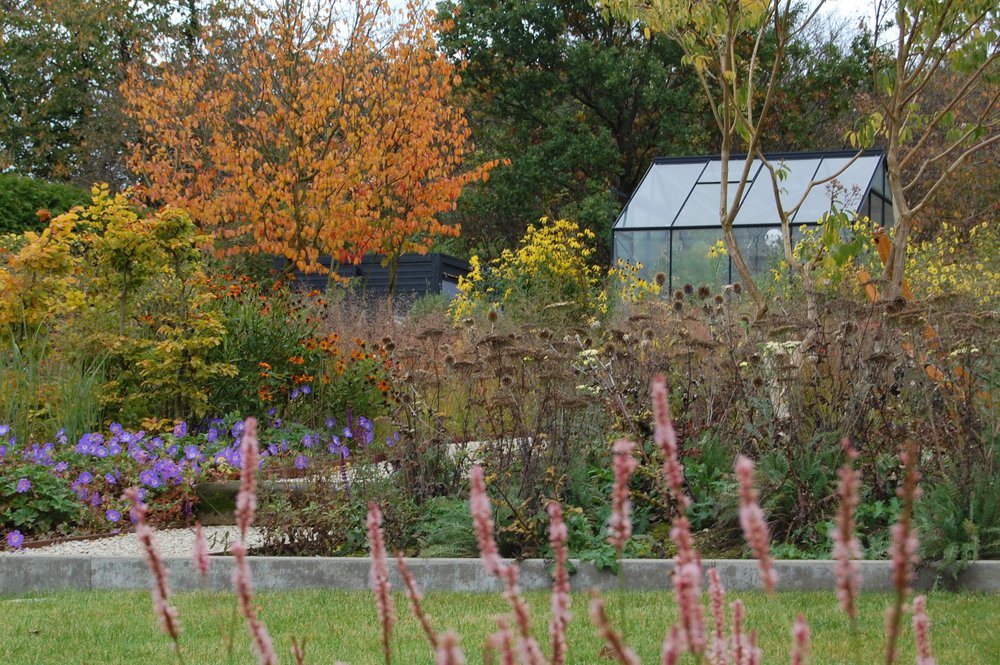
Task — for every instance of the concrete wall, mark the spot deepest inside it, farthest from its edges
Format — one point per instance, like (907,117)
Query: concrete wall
(21,574)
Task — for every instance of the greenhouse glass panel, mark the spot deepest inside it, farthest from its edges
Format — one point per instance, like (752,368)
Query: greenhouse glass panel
(655,202)
(713,172)
(690,260)
(847,190)
(760,247)
(702,206)
(650,248)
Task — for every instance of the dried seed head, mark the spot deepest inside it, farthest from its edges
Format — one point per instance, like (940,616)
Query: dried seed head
(718,298)
(647,333)
(449,359)
(737,288)
(704,291)
(506,380)
(678,305)
(468,322)
(688,289)
(660,279)
(678,295)
(492,315)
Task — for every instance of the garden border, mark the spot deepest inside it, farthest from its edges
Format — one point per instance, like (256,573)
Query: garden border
(23,574)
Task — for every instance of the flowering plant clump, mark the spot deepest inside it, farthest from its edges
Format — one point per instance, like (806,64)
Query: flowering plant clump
(64,487)
(550,276)
(286,361)
(551,267)
(964,262)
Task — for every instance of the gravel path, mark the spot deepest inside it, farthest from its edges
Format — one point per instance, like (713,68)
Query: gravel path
(172,542)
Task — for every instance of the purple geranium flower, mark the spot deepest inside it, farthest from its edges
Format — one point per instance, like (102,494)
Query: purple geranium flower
(85,478)
(61,466)
(149,477)
(213,435)
(307,441)
(181,430)
(110,478)
(191,452)
(306,389)
(115,428)
(365,424)
(301,462)
(4,429)
(15,539)
(112,515)
(330,423)
(23,485)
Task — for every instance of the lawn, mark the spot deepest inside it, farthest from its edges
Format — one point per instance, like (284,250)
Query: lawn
(118,627)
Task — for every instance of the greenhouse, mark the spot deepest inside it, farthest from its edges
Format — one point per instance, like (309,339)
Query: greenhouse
(671,223)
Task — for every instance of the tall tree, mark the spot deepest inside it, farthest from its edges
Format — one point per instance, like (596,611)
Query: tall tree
(61,62)
(578,101)
(927,136)
(330,131)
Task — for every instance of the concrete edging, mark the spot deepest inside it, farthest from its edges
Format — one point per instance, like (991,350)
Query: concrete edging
(34,573)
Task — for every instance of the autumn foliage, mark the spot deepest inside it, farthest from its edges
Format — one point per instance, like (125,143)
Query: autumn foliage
(328,131)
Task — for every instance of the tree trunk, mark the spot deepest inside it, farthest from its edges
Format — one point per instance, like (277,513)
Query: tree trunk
(903,219)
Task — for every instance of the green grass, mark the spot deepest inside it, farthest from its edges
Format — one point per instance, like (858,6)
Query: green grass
(119,627)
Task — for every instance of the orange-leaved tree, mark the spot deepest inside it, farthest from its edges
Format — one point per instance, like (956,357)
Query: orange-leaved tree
(325,130)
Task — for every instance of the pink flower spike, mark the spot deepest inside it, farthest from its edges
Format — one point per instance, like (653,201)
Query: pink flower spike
(673,646)
(740,643)
(561,600)
(262,645)
(666,438)
(754,525)
(800,641)
(415,597)
(612,638)
(503,641)
(379,577)
(922,631)
(246,499)
(482,518)
(161,591)
(903,549)
(846,547)
(718,654)
(201,557)
(620,524)
(448,652)
(687,594)
(755,655)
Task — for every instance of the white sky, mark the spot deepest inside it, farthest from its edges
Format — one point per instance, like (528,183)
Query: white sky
(850,8)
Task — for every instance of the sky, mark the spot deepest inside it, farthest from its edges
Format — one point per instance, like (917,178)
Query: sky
(850,8)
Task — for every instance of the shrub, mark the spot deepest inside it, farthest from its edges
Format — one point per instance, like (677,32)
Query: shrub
(21,199)
(114,281)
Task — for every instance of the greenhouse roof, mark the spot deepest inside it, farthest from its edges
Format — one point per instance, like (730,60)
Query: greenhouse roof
(683,192)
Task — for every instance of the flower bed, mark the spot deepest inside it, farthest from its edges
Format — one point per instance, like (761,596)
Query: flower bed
(60,487)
